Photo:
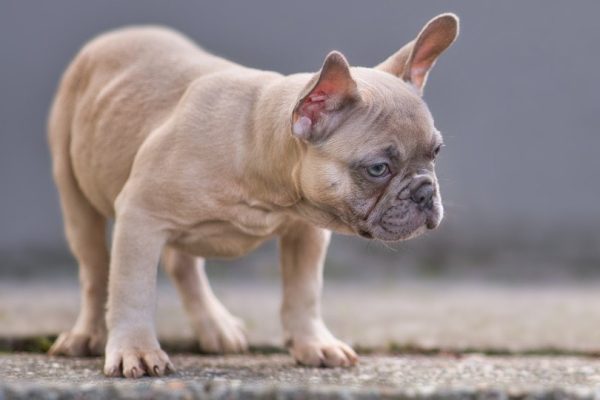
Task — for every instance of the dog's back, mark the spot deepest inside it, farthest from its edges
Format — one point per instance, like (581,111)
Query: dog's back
(120,87)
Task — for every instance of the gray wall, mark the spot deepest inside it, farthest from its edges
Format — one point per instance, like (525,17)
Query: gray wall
(517,97)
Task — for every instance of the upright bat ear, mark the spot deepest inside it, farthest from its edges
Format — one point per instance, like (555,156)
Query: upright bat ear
(325,99)
(413,62)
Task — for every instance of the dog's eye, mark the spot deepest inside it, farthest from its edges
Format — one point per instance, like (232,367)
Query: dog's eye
(437,149)
(378,170)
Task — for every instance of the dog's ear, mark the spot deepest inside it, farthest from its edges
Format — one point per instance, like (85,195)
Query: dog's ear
(324,100)
(413,62)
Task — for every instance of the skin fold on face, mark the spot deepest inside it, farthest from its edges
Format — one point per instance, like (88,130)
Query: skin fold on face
(367,172)
(371,141)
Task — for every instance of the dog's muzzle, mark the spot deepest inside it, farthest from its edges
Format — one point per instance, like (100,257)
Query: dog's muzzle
(416,208)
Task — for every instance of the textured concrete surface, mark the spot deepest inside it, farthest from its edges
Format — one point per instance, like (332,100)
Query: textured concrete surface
(276,376)
(547,334)
(382,315)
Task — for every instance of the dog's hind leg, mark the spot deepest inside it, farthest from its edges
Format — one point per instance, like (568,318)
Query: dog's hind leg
(217,330)
(85,230)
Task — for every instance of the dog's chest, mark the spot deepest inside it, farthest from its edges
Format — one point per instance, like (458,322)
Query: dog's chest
(230,237)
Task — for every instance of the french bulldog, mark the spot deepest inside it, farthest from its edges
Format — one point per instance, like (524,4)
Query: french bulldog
(194,157)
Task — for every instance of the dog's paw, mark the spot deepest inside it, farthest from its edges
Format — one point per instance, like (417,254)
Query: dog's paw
(329,352)
(137,362)
(73,344)
(220,332)
(134,352)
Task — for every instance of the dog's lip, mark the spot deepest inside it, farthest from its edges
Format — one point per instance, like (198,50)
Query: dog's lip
(366,234)
(368,229)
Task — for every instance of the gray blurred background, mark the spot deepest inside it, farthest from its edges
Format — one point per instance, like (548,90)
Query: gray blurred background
(517,99)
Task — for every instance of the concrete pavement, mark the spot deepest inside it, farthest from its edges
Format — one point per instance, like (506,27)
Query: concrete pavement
(438,340)
(277,377)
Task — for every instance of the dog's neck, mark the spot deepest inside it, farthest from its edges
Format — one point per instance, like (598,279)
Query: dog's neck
(274,155)
(273,162)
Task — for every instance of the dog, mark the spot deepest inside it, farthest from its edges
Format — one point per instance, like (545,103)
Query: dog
(194,157)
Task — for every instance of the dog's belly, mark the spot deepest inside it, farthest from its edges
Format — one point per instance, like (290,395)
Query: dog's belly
(229,238)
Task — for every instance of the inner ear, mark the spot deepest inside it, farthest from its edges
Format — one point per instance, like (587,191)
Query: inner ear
(317,112)
(436,37)
(413,62)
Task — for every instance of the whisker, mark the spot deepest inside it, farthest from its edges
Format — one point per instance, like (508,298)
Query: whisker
(386,245)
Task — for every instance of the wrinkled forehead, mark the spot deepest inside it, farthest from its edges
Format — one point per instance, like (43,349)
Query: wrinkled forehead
(390,113)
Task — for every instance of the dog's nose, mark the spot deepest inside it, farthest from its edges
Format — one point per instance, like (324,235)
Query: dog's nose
(423,194)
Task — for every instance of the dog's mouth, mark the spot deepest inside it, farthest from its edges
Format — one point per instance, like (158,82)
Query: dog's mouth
(365,233)
(402,221)
(390,219)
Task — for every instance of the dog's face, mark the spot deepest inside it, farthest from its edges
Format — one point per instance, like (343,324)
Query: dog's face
(371,143)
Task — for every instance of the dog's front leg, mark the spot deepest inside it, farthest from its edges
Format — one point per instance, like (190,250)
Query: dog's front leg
(303,250)
(132,349)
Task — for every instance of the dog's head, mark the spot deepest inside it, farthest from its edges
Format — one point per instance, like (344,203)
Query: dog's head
(370,142)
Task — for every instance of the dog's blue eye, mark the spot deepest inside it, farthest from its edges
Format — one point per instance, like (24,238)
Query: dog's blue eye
(378,170)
